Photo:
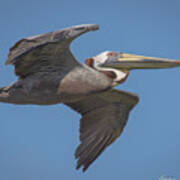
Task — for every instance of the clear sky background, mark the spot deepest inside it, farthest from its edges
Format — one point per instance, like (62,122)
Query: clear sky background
(38,143)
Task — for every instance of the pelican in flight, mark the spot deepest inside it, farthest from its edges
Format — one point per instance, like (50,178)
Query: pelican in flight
(49,74)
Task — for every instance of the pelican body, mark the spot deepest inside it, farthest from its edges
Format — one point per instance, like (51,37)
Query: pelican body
(49,74)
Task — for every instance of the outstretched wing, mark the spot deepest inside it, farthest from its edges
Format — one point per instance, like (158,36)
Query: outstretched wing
(104,116)
(46,52)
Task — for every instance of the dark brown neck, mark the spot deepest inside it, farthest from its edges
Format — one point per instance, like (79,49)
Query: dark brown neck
(90,62)
(109,74)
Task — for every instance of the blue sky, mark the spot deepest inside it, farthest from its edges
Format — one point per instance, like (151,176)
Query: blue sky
(38,143)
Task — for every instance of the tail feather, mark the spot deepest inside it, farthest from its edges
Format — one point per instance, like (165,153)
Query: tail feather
(3,89)
(4,94)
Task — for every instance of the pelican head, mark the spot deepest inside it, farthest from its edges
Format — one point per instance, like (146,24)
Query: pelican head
(117,65)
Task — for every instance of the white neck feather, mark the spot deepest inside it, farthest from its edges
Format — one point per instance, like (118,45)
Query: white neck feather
(101,58)
(120,75)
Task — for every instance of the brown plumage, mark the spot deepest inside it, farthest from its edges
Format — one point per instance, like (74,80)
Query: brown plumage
(104,116)
(48,74)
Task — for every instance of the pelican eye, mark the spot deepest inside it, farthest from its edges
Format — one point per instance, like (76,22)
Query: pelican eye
(111,54)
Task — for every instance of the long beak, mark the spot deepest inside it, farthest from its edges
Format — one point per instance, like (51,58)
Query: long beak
(130,61)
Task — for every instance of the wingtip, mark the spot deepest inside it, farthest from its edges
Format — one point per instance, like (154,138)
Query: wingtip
(83,169)
(88,27)
(93,27)
(73,31)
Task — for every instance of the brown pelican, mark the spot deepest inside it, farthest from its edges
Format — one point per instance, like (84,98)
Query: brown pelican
(49,74)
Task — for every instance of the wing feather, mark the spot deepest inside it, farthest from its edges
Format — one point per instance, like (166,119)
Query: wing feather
(46,52)
(104,116)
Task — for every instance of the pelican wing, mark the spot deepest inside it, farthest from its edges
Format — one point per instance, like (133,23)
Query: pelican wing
(104,116)
(46,52)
